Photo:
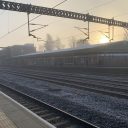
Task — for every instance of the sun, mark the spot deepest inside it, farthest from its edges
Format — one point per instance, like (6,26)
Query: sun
(104,39)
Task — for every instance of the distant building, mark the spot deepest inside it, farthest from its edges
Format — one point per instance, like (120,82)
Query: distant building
(17,50)
(22,49)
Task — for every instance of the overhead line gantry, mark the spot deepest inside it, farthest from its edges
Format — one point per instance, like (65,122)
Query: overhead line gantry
(28,8)
(20,7)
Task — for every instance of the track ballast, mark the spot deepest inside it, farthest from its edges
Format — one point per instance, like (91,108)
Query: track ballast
(108,86)
(56,117)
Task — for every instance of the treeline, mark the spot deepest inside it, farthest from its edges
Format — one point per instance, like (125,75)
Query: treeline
(56,44)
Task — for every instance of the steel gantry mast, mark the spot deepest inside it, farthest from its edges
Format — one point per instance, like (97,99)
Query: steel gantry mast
(20,7)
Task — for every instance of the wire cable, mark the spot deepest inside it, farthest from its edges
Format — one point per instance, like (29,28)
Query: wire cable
(30,21)
(60,3)
(100,5)
(97,6)
(53,22)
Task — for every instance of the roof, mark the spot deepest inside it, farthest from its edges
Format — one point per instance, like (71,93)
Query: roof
(61,50)
(115,47)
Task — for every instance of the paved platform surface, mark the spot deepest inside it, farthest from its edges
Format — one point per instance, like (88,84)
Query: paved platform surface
(14,116)
(5,122)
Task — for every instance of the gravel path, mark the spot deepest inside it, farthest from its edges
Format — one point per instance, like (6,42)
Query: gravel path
(104,111)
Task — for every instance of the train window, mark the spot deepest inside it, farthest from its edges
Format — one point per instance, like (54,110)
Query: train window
(69,60)
(82,60)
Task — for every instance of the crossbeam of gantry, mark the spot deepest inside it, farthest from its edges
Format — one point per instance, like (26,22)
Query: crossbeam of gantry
(20,7)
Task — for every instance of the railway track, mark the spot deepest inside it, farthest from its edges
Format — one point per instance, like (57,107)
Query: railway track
(56,117)
(107,86)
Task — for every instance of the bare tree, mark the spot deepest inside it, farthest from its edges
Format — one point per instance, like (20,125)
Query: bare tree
(50,44)
(72,43)
(82,42)
(58,44)
(41,47)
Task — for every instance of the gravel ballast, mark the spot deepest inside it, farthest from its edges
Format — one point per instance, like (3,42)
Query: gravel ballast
(101,110)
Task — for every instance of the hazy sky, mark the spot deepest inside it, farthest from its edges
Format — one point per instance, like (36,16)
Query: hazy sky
(62,27)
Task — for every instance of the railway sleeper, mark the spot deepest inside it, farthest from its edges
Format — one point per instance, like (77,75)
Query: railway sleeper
(41,112)
(54,120)
(35,109)
(30,106)
(63,124)
(48,115)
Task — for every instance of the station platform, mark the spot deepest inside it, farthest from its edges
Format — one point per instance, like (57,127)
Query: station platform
(14,115)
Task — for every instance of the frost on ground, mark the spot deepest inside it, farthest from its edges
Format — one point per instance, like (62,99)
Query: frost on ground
(104,111)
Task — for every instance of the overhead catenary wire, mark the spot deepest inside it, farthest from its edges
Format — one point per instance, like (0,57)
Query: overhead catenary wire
(30,21)
(97,6)
(60,3)
(53,22)
(100,5)
(68,37)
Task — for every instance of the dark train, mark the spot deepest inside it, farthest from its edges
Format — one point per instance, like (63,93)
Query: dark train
(106,55)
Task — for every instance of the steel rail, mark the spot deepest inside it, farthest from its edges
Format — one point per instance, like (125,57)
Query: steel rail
(53,115)
(120,92)
(106,80)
